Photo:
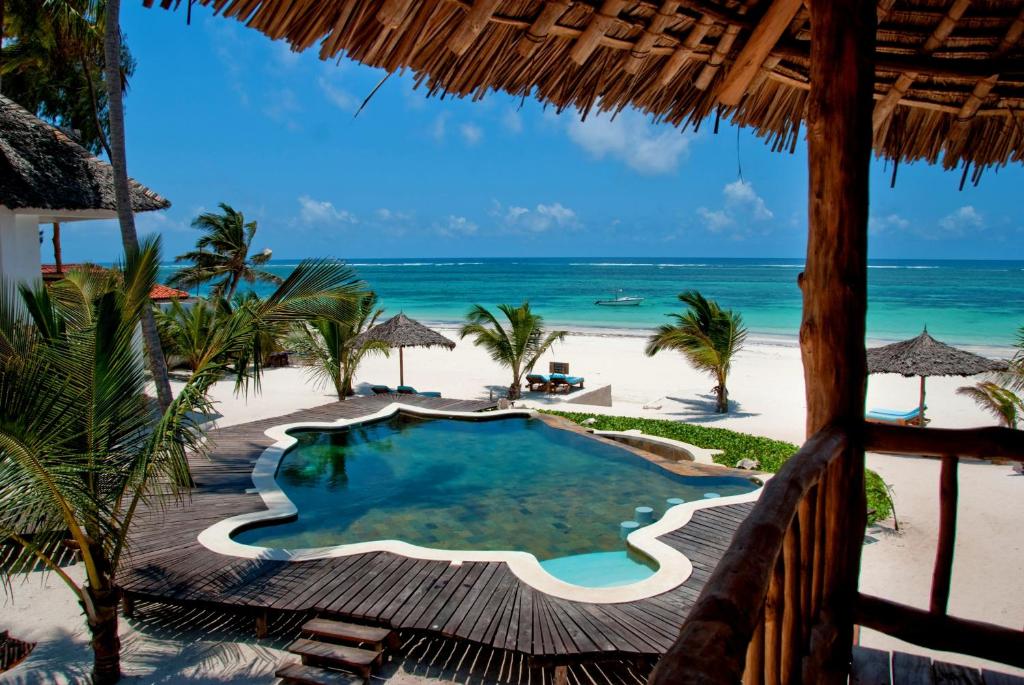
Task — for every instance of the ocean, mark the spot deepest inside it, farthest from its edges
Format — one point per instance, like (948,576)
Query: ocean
(979,303)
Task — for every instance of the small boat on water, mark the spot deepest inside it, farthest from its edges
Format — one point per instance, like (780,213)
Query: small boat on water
(620,301)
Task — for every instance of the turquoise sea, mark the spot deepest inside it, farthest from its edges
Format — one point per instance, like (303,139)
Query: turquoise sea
(961,302)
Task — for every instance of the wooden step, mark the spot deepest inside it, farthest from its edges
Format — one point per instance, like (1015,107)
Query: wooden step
(352,633)
(301,674)
(314,653)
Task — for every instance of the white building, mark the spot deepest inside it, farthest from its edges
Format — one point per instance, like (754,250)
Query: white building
(45,177)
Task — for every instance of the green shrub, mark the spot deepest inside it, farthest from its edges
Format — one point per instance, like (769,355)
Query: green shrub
(769,454)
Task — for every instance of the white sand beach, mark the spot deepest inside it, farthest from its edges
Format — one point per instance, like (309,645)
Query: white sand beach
(766,387)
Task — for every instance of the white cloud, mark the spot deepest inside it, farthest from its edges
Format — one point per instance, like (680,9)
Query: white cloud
(437,130)
(323,212)
(887,224)
(160,222)
(455,226)
(512,122)
(541,218)
(280,105)
(286,57)
(964,220)
(742,207)
(335,94)
(631,138)
(471,133)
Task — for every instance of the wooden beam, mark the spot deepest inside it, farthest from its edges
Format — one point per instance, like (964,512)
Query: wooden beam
(756,50)
(983,87)
(942,574)
(472,25)
(392,12)
(979,443)
(725,43)
(945,633)
(642,48)
(729,611)
(598,26)
(541,26)
(685,52)
(887,105)
(834,286)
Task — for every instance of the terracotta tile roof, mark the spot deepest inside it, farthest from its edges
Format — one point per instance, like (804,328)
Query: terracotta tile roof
(159,293)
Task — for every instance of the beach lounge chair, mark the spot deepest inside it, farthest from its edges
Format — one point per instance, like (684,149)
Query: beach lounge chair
(910,417)
(409,390)
(538,381)
(381,390)
(560,381)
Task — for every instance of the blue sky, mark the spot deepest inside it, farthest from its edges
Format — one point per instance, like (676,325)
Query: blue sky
(218,113)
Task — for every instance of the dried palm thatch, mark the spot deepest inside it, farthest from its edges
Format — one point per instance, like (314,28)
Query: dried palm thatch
(400,331)
(926,356)
(42,168)
(949,73)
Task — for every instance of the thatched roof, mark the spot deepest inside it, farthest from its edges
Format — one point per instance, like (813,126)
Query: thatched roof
(42,168)
(949,86)
(401,331)
(926,356)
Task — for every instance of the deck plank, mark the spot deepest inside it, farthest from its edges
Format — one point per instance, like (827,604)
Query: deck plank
(484,603)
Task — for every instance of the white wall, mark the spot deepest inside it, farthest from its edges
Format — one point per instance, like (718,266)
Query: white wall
(19,246)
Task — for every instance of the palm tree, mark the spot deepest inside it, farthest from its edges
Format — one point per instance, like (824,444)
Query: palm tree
(1001,402)
(519,346)
(328,345)
(707,335)
(195,334)
(81,447)
(222,254)
(126,218)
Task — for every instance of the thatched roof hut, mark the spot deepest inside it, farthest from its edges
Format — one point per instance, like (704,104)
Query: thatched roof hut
(41,168)
(949,75)
(401,331)
(926,356)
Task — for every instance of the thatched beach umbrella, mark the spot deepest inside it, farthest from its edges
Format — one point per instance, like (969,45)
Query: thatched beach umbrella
(400,331)
(925,356)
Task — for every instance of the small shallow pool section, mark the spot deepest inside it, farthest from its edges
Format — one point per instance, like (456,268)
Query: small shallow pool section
(511,483)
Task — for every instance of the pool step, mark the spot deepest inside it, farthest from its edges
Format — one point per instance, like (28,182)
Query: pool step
(301,674)
(351,633)
(315,653)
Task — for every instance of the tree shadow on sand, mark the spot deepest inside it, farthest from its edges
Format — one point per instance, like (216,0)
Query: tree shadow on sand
(702,409)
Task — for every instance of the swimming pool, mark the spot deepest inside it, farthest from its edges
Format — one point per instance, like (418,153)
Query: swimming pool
(504,483)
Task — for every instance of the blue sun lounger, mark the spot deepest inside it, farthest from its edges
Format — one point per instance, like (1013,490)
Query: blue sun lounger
(561,380)
(381,390)
(901,418)
(409,390)
(538,381)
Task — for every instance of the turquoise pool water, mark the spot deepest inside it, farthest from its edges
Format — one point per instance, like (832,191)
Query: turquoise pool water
(511,483)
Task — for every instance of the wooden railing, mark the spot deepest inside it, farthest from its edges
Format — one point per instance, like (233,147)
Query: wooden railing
(776,608)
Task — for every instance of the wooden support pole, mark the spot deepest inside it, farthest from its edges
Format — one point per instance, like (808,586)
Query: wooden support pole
(764,37)
(598,26)
(835,301)
(887,105)
(725,42)
(472,25)
(541,26)
(920,405)
(401,366)
(128,605)
(943,572)
(666,13)
(561,675)
(262,624)
(683,53)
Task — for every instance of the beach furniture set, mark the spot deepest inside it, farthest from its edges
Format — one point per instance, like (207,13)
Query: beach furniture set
(911,417)
(556,380)
(401,390)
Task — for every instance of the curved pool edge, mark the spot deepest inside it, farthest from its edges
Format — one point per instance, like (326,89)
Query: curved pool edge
(674,568)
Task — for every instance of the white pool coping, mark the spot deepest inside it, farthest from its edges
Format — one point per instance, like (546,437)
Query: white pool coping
(699,455)
(674,568)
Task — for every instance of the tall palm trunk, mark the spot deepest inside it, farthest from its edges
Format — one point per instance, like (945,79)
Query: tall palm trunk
(722,394)
(106,645)
(58,260)
(112,66)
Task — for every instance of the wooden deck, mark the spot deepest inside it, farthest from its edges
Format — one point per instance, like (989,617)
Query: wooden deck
(483,603)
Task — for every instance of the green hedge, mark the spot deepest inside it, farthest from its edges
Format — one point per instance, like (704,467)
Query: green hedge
(770,454)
